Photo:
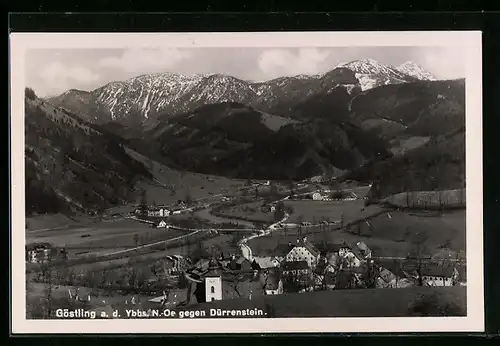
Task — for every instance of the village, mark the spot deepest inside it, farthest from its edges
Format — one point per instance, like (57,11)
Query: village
(282,254)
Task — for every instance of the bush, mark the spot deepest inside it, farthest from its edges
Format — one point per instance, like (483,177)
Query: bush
(431,305)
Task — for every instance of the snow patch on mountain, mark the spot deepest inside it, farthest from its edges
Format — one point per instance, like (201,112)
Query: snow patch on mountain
(411,68)
(371,67)
(149,95)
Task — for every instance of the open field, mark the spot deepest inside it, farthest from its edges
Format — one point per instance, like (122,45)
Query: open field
(110,235)
(207,216)
(117,257)
(388,233)
(311,211)
(447,230)
(249,211)
(445,199)
(49,221)
(442,301)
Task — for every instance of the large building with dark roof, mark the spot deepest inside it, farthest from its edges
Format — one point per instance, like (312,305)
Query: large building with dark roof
(303,250)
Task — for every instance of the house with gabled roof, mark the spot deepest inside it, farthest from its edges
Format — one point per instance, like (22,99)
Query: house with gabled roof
(240,263)
(44,252)
(162,224)
(303,250)
(348,256)
(436,275)
(264,263)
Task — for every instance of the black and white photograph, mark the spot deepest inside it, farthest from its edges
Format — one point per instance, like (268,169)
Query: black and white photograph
(210,183)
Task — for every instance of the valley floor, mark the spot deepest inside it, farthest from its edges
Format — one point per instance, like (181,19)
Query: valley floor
(388,232)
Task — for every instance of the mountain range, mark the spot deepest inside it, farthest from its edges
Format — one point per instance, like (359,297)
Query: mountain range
(375,122)
(145,97)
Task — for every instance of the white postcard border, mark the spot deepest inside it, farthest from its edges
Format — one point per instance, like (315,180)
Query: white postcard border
(468,41)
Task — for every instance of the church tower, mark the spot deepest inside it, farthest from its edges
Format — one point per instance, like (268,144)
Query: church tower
(213,282)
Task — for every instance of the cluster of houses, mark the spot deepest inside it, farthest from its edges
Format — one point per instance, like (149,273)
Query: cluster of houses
(163,211)
(44,252)
(327,195)
(301,266)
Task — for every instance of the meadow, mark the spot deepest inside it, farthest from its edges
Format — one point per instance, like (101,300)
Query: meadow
(248,211)
(441,231)
(442,301)
(102,238)
(316,211)
(387,233)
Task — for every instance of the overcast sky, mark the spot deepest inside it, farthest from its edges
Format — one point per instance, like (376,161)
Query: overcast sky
(53,71)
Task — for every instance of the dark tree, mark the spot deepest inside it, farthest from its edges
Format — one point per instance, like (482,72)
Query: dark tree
(419,251)
(144,203)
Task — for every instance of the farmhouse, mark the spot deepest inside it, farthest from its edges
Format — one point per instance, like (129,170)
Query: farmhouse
(181,205)
(263,263)
(176,264)
(303,251)
(240,263)
(344,254)
(317,196)
(435,275)
(162,224)
(158,212)
(352,256)
(268,208)
(43,252)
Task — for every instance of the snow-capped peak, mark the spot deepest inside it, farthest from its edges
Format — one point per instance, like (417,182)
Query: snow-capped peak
(367,66)
(413,69)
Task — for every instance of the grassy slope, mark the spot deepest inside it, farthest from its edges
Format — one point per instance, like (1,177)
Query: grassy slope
(346,303)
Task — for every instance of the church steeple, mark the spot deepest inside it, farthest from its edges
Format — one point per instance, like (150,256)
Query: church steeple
(213,281)
(214,269)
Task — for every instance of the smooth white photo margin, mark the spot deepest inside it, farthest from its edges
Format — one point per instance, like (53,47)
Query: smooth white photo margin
(469,42)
